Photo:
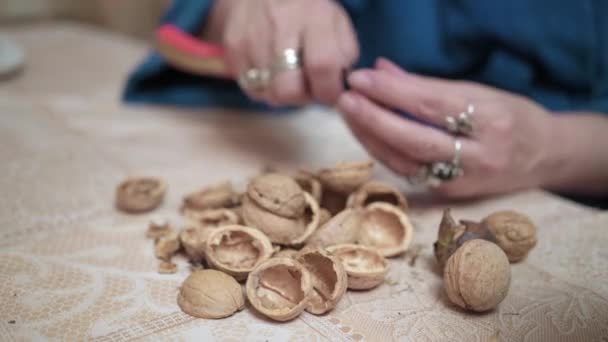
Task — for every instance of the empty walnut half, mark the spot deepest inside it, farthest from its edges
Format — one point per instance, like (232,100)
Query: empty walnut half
(340,229)
(515,233)
(346,177)
(211,218)
(279,288)
(210,294)
(136,195)
(375,191)
(477,276)
(366,267)
(386,228)
(279,229)
(329,279)
(220,195)
(278,194)
(237,250)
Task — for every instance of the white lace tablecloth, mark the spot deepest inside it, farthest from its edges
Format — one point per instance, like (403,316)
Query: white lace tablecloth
(72,268)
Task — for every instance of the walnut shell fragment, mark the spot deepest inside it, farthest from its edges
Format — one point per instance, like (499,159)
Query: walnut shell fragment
(210,294)
(166,246)
(477,276)
(237,250)
(366,267)
(220,195)
(157,229)
(278,194)
(329,280)
(346,177)
(340,229)
(515,233)
(279,288)
(375,191)
(211,218)
(279,229)
(193,240)
(166,267)
(137,195)
(286,253)
(386,228)
(309,183)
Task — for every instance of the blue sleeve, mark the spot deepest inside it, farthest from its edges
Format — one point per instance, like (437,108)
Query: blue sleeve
(155,81)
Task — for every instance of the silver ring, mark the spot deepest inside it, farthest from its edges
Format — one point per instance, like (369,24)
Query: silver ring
(288,59)
(462,124)
(435,173)
(255,79)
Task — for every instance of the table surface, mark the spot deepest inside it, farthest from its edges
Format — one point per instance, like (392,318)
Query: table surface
(73,268)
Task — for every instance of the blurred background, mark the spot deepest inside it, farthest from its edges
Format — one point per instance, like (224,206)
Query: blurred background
(133,17)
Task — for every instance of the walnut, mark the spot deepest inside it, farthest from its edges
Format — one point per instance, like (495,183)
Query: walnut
(477,276)
(346,177)
(309,183)
(286,253)
(282,230)
(324,216)
(329,279)
(210,294)
(136,195)
(386,228)
(237,250)
(515,233)
(374,191)
(278,194)
(366,267)
(340,229)
(166,246)
(280,288)
(220,195)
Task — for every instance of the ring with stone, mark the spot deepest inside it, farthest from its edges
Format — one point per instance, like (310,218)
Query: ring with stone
(255,79)
(461,124)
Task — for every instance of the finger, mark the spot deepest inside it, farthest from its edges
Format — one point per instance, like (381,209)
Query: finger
(346,39)
(413,94)
(288,87)
(391,68)
(323,62)
(417,141)
(384,153)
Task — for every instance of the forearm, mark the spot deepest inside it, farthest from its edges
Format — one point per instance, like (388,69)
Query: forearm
(578,150)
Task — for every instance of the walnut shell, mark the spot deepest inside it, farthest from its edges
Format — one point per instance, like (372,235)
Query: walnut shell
(210,294)
(211,218)
(324,216)
(193,240)
(279,288)
(166,246)
(515,233)
(332,201)
(346,177)
(477,276)
(158,228)
(386,228)
(366,267)
(340,229)
(329,279)
(281,230)
(309,183)
(278,194)
(220,195)
(286,253)
(166,267)
(375,191)
(137,195)
(237,250)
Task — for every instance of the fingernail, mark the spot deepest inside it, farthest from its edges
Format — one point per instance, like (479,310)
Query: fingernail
(347,102)
(360,79)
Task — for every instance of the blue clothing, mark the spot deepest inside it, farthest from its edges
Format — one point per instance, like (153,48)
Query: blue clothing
(553,51)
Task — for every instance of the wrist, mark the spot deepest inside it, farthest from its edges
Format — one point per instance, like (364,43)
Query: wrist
(556,154)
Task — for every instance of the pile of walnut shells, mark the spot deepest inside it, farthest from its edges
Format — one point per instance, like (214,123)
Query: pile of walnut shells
(297,242)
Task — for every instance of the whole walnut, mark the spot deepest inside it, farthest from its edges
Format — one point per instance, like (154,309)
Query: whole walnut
(514,233)
(477,276)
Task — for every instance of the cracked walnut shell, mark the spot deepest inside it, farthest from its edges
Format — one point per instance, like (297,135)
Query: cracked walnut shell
(211,218)
(346,177)
(477,276)
(340,229)
(279,288)
(166,246)
(514,232)
(193,240)
(210,294)
(329,279)
(237,250)
(136,195)
(366,267)
(375,191)
(309,183)
(278,194)
(385,228)
(220,195)
(279,229)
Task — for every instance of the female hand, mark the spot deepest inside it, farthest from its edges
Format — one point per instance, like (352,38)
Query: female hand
(255,33)
(512,144)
